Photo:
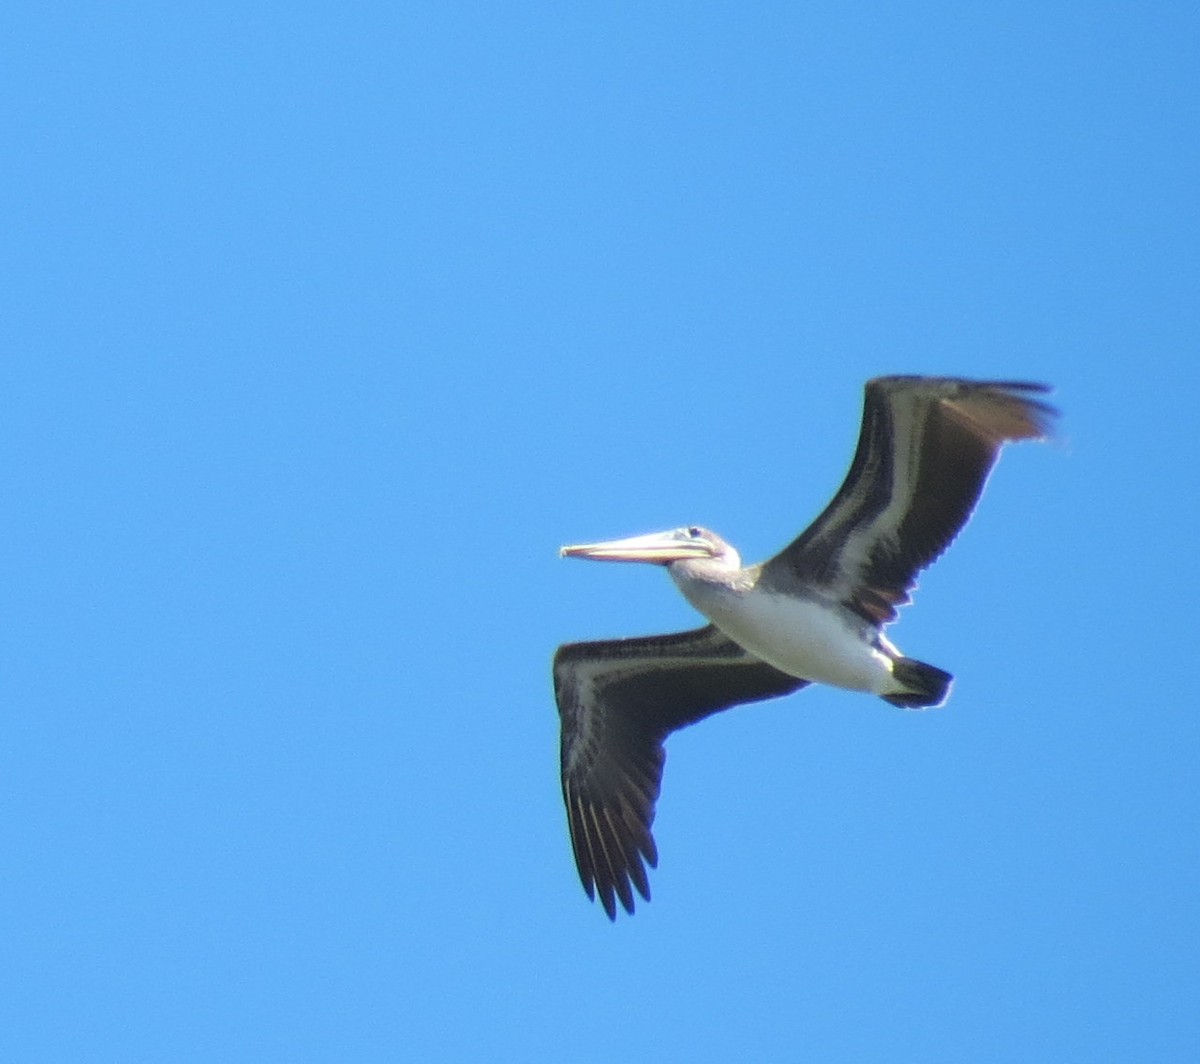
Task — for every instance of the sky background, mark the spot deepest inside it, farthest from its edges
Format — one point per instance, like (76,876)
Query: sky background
(322,326)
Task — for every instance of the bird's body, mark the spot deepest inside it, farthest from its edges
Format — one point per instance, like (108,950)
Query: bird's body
(800,633)
(814,613)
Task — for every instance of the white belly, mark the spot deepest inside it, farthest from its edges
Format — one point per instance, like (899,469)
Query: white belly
(802,638)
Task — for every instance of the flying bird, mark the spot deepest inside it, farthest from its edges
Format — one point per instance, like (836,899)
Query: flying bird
(814,613)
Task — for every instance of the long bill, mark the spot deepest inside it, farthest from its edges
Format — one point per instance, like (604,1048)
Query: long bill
(660,547)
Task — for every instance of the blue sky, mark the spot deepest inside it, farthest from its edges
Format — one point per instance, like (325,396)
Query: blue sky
(324,327)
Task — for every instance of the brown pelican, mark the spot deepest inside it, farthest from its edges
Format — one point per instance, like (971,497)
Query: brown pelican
(814,613)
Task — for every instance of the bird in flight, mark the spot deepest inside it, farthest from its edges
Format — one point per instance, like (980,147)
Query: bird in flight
(814,613)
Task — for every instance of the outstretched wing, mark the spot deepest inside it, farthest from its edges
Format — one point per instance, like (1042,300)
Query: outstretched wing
(924,453)
(618,700)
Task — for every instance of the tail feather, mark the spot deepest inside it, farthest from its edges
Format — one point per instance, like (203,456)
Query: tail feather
(923,685)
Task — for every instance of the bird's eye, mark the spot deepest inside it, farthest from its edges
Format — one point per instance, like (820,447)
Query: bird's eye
(695,532)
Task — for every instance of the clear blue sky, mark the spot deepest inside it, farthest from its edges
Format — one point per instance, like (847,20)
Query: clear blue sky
(324,325)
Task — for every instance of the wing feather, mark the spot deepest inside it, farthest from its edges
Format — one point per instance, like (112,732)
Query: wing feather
(925,449)
(618,700)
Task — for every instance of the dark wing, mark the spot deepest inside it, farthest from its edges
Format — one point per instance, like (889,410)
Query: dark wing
(925,450)
(618,701)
